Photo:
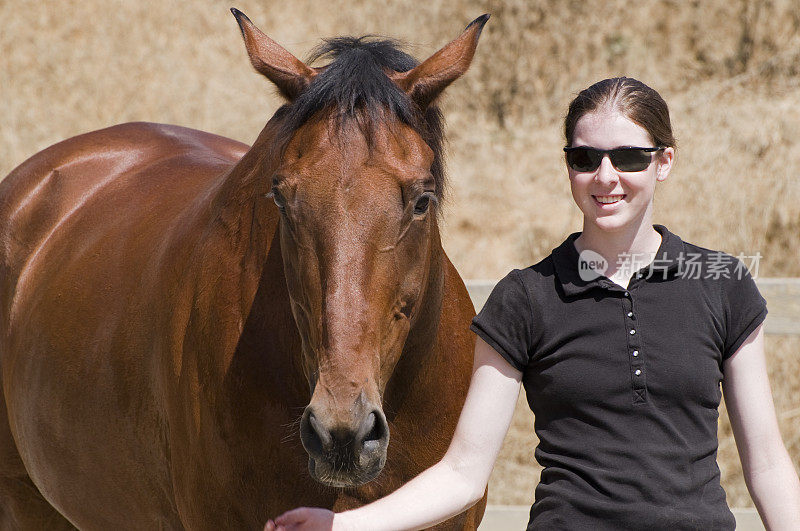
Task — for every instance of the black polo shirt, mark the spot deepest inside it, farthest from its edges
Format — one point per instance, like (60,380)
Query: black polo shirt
(625,383)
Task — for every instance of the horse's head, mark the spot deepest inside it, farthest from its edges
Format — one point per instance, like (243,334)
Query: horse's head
(358,183)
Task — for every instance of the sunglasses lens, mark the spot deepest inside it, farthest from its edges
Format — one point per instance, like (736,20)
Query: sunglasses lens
(583,159)
(626,159)
(630,159)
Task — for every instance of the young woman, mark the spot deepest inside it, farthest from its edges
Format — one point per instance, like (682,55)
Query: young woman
(621,338)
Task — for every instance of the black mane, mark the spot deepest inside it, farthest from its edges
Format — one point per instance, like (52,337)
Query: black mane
(355,86)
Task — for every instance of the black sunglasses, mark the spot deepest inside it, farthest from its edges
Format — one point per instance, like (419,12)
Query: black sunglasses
(583,158)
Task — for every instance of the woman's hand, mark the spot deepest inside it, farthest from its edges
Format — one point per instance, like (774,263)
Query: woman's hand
(303,518)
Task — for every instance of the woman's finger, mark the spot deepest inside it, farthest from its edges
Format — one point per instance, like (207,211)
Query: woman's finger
(302,519)
(293,517)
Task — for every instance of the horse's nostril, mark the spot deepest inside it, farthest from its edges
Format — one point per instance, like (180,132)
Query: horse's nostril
(320,431)
(314,435)
(373,430)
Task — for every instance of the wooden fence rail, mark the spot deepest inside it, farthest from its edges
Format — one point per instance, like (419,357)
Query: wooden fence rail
(782,294)
(515,517)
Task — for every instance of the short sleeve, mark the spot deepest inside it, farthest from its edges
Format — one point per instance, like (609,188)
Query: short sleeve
(505,322)
(745,308)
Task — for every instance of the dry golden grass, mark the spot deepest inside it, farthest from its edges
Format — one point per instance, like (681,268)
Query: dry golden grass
(728,69)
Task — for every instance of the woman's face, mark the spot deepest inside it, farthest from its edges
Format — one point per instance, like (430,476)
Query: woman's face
(610,199)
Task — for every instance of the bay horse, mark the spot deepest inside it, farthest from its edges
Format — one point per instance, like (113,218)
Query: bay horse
(195,334)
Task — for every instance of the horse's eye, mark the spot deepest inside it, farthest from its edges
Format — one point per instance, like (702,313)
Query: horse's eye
(280,202)
(422,205)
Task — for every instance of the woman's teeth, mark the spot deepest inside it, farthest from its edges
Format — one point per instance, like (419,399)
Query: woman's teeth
(607,199)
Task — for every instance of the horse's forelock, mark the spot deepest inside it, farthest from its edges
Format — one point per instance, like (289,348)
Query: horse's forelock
(387,52)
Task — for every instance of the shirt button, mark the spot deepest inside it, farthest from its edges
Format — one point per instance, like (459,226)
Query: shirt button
(638,372)
(630,314)
(635,353)
(633,332)
(627,294)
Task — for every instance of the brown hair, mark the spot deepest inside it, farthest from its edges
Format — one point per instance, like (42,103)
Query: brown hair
(638,102)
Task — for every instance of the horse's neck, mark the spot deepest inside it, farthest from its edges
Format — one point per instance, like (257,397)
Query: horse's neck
(425,320)
(239,228)
(243,216)
(243,212)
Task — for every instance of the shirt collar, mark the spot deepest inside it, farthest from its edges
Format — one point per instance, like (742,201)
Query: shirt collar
(565,259)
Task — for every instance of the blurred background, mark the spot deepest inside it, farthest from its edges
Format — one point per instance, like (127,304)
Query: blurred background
(729,70)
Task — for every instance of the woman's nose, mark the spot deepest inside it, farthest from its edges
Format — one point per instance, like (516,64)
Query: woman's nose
(606,172)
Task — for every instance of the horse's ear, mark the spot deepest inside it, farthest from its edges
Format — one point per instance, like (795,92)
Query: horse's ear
(289,73)
(425,82)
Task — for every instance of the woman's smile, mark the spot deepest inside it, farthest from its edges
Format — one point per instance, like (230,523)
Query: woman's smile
(608,201)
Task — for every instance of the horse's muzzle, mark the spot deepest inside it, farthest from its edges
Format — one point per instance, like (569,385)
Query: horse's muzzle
(345,456)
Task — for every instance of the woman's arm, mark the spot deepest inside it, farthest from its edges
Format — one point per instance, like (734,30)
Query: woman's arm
(453,484)
(768,471)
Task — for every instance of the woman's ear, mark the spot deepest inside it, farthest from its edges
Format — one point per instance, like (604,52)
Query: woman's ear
(665,161)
